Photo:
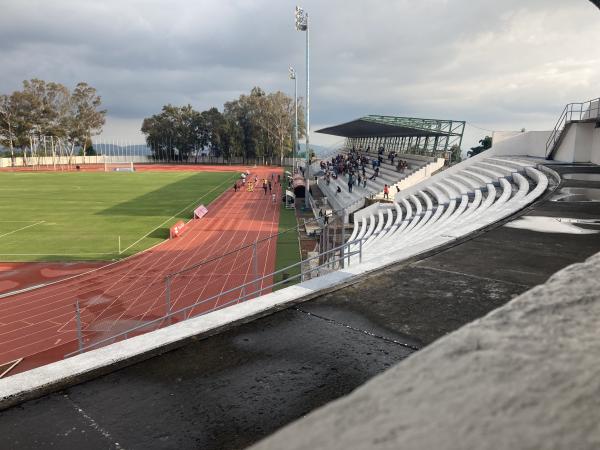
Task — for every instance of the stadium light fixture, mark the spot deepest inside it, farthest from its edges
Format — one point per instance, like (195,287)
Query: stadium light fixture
(292,73)
(302,25)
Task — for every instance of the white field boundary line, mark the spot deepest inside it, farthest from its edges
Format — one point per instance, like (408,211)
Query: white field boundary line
(189,244)
(214,244)
(194,202)
(31,288)
(132,303)
(22,228)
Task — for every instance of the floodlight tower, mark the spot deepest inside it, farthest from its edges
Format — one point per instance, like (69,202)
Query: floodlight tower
(293,77)
(302,25)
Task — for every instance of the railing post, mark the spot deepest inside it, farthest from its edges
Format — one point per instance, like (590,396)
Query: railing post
(168,296)
(349,254)
(334,243)
(78,323)
(360,251)
(255,268)
(343,238)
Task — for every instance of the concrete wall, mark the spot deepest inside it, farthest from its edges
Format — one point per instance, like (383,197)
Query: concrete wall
(596,144)
(528,143)
(580,144)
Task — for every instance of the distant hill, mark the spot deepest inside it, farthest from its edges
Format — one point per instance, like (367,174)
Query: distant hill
(319,150)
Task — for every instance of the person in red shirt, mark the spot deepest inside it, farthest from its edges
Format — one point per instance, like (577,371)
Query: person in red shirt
(386,192)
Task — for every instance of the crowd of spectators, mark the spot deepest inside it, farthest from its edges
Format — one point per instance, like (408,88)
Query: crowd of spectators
(353,165)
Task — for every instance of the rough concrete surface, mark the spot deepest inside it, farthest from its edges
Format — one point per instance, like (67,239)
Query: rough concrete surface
(523,377)
(227,391)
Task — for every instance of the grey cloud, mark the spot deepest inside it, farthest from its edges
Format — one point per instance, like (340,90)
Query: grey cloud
(489,62)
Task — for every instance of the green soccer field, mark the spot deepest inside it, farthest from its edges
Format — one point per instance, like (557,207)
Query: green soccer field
(80,216)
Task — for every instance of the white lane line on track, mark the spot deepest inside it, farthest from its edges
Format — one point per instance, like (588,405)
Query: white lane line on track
(147,289)
(190,245)
(248,266)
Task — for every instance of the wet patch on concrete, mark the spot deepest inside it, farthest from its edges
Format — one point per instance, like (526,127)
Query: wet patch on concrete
(576,194)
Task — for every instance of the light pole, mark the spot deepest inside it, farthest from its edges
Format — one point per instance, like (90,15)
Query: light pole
(302,25)
(293,77)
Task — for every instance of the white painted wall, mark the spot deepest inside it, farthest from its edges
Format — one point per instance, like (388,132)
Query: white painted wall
(596,145)
(528,143)
(580,144)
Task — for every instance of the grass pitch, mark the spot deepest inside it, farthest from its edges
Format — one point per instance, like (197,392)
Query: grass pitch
(80,216)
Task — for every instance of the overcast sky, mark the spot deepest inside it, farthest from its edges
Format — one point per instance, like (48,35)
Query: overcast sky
(498,65)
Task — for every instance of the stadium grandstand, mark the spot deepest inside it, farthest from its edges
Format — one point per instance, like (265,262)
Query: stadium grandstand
(393,151)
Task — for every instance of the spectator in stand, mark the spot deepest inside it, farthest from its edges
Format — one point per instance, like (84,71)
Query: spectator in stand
(375,173)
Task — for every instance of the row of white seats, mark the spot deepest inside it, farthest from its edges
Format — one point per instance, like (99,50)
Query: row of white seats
(448,208)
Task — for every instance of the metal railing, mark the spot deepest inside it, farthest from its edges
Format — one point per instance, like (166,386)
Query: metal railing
(339,257)
(573,112)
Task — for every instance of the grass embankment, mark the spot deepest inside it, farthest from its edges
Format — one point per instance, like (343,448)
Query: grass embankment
(288,249)
(80,216)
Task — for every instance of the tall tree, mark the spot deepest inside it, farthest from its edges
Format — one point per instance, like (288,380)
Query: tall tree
(8,118)
(484,144)
(176,133)
(47,109)
(86,119)
(257,125)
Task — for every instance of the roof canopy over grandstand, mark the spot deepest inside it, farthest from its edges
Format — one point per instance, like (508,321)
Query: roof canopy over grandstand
(403,134)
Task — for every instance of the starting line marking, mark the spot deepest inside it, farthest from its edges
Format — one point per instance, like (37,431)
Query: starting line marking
(28,226)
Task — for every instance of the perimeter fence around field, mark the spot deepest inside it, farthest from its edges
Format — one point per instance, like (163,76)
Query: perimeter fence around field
(208,285)
(52,153)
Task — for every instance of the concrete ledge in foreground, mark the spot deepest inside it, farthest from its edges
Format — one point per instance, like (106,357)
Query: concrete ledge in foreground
(526,376)
(62,374)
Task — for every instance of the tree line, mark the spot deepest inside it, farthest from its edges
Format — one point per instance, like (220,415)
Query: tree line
(254,126)
(50,110)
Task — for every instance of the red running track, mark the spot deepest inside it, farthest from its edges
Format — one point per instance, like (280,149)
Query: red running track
(40,325)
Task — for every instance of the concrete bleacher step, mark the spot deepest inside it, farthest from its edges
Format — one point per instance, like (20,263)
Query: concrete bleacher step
(451,206)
